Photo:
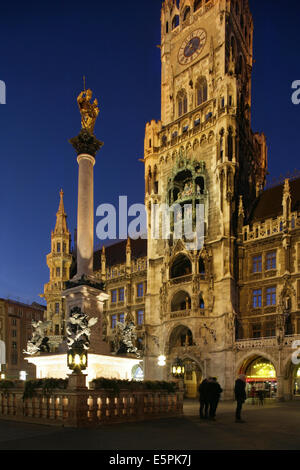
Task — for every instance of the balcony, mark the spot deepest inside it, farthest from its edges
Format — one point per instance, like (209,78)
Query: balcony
(180,314)
(268,342)
(181,280)
(254,343)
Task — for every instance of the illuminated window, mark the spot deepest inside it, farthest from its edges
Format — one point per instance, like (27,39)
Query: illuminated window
(113,321)
(114,296)
(122,318)
(257,264)
(121,294)
(140,290)
(271,296)
(257,298)
(140,317)
(271,260)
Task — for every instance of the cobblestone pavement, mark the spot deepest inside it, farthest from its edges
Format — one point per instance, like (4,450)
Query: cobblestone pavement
(274,426)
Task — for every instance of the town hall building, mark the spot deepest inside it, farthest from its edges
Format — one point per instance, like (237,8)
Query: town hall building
(231,306)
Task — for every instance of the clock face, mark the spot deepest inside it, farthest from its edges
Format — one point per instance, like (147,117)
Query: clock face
(192,46)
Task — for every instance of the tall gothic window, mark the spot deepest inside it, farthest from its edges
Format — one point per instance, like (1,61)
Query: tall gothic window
(197,4)
(186,14)
(175,22)
(201,91)
(182,103)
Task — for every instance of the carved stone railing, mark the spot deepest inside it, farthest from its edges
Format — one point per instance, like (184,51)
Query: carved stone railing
(181,279)
(254,343)
(269,228)
(269,342)
(180,314)
(83,408)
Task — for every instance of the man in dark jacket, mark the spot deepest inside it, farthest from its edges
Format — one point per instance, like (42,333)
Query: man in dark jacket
(214,393)
(203,398)
(240,396)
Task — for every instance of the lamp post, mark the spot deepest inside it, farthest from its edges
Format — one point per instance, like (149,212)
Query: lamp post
(178,369)
(77,360)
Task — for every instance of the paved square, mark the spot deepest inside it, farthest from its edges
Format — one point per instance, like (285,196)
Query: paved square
(272,427)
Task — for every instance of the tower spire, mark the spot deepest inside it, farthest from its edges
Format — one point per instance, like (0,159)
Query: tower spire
(61,216)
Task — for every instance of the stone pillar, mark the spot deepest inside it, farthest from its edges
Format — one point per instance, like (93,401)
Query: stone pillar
(86,146)
(280,388)
(85,215)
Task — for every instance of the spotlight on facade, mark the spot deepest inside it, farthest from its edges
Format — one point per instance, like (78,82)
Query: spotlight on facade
(23,375)
(2,376)
(161,361)
(77,360)
(178,369)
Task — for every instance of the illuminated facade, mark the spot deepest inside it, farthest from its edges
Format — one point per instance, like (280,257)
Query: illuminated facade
(59,262)
(232,306)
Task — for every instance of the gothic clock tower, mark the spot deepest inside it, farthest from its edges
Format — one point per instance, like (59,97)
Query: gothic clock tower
(202,152)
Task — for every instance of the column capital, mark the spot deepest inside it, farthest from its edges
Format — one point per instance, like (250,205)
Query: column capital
(86,143)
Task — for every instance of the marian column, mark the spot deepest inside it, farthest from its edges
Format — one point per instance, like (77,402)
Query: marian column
(84,291)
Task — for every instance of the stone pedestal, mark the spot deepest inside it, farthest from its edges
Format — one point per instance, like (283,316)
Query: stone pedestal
(77,381)
(90,300)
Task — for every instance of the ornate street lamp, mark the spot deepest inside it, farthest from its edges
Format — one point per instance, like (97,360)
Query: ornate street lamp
(178,369)
(77,359)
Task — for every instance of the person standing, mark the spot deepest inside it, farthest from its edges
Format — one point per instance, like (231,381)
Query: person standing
(214,394)
(240,397)
(203,398)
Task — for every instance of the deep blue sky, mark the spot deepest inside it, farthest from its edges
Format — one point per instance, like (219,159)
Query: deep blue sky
(45,49)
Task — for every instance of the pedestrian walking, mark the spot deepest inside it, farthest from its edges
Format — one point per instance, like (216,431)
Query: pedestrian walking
(252,394)
(240,397)
(203,398)
(214,394)
(261,397)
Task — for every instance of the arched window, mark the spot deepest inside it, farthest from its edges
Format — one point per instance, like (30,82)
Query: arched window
(201,91)
(167,27)
(201,266)
(201,303)
(182,103)
(181,301)
(221,144)
(181,266)
(175,22)
(233,47)
(187,13)
(230,144)
(197,4)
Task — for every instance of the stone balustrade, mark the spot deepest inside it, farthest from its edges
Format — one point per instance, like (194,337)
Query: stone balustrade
(81,408)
